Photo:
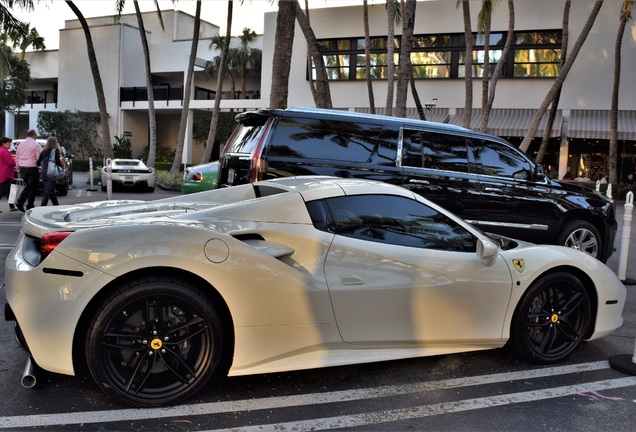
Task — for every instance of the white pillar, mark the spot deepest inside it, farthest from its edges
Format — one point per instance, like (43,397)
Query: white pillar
(186,157)
(9,124)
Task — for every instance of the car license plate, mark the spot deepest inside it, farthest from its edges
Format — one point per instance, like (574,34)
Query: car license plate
(230,176)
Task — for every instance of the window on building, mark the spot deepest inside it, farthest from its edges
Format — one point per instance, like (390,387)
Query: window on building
(442,56)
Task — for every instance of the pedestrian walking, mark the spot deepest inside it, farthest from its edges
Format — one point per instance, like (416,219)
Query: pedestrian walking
(7,167)
(27,156)
(50,154)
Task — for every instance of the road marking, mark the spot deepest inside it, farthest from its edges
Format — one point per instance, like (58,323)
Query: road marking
(7,246)
(366,419)
(90,417)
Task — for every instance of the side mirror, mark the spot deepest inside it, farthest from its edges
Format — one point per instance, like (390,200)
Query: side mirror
(538,175)
(487,251)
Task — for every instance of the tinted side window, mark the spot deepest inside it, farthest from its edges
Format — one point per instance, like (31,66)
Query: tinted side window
(394,220)
(497,159)
(324,139)
(433,150)
(244,139)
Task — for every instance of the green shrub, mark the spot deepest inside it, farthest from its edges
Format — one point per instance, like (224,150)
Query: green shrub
(168,179)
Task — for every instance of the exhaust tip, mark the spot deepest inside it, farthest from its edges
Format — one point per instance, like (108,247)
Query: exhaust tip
(28,376)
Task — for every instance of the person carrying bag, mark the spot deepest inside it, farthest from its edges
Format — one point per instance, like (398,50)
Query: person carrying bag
(52,170)
(7,167)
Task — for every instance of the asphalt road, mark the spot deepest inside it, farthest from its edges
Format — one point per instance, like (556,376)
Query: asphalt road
(480,391)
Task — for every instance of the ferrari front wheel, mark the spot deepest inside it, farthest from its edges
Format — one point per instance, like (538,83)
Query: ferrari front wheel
(154,342)
(552,318)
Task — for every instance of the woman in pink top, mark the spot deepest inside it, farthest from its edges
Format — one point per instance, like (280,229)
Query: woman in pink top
(7,166)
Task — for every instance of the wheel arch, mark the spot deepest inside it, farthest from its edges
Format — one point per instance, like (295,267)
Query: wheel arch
(203,286)
(589,287)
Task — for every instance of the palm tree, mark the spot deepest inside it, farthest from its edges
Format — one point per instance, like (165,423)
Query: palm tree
(405,69)
(8,25)
(565,35)
(212,67)
(468,64)
(390,58)
(367,54)
(281,64)
(245,58)
(107,148)
(323,94)
(625,16)
(497,72)
(484,19)
(209,144)
(183,124)
(556,86)
(25,36)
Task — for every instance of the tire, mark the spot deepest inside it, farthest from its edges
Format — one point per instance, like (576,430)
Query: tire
(582,235)
(552,318)
(154,342)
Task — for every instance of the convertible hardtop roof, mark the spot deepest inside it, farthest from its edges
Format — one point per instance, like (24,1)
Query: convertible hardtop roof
(258,118)
(318,187)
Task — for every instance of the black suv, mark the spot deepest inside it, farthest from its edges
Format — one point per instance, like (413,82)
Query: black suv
(480,177)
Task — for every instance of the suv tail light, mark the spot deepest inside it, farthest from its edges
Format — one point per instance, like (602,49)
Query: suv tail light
(258,167)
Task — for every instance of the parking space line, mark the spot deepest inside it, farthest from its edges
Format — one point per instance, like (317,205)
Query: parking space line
(342,396)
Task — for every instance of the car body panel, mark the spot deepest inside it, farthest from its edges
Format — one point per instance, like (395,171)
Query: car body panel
(292,291)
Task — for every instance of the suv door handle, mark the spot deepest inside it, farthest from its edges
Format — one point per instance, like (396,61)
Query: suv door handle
(416,181)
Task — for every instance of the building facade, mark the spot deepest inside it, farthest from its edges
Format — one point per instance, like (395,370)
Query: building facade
(579,139)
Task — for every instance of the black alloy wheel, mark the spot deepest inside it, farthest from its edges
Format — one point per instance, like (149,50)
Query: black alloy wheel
(154,342)
(551,319)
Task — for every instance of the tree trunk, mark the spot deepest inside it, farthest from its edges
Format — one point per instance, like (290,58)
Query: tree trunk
(367,55)
(555,104)
(405,69)
(107,147)
(187,90)
(323,94)
(497,72)
(468,69)
(485,79)
(283,45)
(209,144)
(561,77)
(152,122)
(390,56)
(625,15)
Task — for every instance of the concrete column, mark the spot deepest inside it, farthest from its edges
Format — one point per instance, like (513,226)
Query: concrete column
(9,124)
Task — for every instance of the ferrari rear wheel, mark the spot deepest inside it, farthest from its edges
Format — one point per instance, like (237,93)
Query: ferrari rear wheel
(551,319)
(154,342)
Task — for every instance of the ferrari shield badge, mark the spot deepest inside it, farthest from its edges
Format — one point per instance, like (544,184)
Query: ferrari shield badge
(519,264)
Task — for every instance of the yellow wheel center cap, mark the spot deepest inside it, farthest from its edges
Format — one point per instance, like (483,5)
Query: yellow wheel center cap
(156,344)
(554,318)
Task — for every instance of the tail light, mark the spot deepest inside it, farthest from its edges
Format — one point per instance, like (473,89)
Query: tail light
(258,167)
(197,177)
(150,170)
(51,241)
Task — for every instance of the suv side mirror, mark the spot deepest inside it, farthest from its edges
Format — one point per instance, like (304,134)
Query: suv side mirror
(538,175)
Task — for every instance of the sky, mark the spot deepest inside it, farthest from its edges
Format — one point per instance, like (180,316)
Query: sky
(49,15)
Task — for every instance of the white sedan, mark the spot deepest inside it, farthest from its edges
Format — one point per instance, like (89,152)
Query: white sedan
(159,297)
(128,173)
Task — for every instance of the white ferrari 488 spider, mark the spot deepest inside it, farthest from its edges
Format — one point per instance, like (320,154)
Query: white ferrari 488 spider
(158,298)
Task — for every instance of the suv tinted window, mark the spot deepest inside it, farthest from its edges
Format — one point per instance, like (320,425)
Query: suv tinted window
(434,150)
(497,159)
(324,139)
(244,139)
(391,219)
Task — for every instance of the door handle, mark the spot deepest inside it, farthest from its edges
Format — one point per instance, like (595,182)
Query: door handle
(416,181)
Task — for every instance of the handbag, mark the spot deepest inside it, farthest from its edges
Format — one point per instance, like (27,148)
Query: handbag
(53,171)
(16,189)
